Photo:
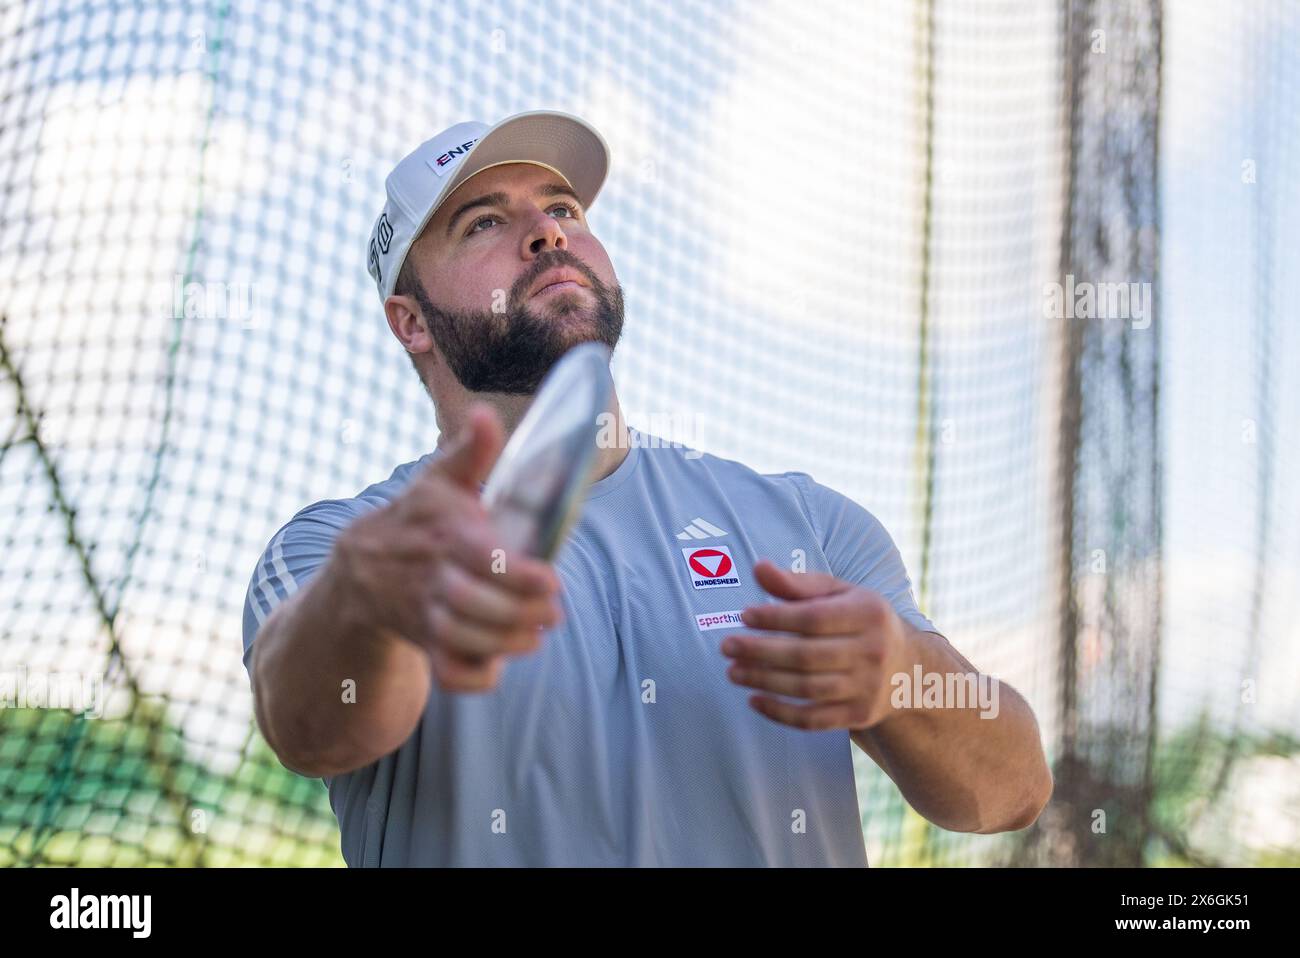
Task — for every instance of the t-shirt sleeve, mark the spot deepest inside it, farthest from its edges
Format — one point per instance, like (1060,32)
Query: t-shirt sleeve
(294,554)
(859,548)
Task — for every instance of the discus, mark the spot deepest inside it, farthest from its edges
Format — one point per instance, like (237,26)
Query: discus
(535,491)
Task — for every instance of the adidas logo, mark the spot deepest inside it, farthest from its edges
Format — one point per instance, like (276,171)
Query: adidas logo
(700,529)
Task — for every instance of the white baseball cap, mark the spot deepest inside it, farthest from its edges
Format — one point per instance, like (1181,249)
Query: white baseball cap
(564,144)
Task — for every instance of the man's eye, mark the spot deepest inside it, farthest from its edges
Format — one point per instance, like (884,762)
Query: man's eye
(490,218)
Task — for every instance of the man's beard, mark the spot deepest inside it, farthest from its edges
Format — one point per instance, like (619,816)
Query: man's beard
(511,352)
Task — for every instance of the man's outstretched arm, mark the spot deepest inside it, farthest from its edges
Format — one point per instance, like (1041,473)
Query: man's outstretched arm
(963,748)
(410,594)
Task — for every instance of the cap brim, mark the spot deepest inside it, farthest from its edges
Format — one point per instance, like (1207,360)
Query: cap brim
(564,143)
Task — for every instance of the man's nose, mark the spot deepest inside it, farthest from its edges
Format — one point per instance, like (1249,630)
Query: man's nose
(546,235)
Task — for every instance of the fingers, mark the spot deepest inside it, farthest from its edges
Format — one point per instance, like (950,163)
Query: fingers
(813,718)
(852,610)
(474,547)
(455,673)
(469,638)
(796,585)
(813,686)
(481,609)
(828,654)
(474,616)
(430,566)
(487,604)
(452,522)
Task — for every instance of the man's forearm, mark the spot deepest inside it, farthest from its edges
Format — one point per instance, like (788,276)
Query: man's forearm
(961,771)
(302,660)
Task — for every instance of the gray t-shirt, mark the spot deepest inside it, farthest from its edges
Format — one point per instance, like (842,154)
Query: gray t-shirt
(622,741)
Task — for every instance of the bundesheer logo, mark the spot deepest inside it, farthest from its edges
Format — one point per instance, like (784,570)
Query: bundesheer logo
(711,567)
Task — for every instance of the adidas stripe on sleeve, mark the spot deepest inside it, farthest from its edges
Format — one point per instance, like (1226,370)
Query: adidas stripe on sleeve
(290,559)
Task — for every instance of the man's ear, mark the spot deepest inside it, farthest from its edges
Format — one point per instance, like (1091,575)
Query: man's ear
(407,323)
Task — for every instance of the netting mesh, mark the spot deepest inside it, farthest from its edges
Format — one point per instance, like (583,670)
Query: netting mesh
(836,225)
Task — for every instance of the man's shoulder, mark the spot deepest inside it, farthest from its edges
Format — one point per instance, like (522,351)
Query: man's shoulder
(337,513)
(789,492)
(388,489)
(670,453)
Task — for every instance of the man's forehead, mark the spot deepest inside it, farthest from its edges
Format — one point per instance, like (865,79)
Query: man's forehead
(506,178)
